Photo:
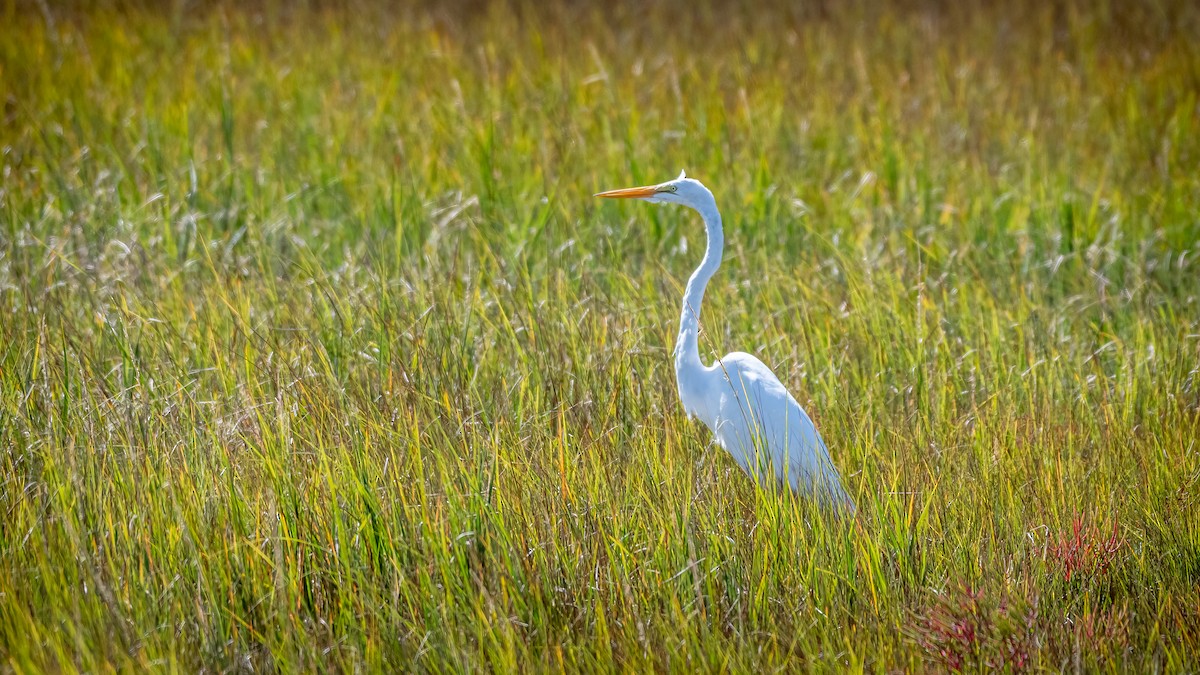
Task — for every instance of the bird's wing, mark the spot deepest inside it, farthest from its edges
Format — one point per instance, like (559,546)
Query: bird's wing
(763,408)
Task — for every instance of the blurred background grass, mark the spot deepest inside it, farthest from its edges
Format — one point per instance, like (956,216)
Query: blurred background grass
(318,353)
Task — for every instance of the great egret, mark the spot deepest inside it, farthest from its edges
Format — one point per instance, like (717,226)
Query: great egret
(751,413)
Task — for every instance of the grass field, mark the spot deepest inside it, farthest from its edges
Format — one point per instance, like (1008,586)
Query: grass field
(316,352)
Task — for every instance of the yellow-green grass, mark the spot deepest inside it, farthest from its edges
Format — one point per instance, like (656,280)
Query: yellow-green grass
(316,352)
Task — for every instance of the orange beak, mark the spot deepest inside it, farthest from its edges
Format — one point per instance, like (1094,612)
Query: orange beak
(630,193)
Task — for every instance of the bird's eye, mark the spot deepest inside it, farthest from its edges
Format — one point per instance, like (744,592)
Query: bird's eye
(674,188)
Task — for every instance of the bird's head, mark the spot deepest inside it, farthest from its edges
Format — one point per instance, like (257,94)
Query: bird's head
(682,190)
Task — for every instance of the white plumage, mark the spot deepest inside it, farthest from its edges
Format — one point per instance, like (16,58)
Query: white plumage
(751,413)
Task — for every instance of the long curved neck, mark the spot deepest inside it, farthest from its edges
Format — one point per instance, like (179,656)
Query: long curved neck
(687,350)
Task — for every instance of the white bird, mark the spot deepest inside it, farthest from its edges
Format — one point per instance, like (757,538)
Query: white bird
(747,408)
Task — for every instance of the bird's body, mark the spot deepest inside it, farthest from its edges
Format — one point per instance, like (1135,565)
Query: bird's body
(749,411)
(762,426)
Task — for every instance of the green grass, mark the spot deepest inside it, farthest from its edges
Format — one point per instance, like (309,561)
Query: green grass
(316,352)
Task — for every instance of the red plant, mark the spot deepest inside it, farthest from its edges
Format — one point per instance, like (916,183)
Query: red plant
(1087,551)
(970,631)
